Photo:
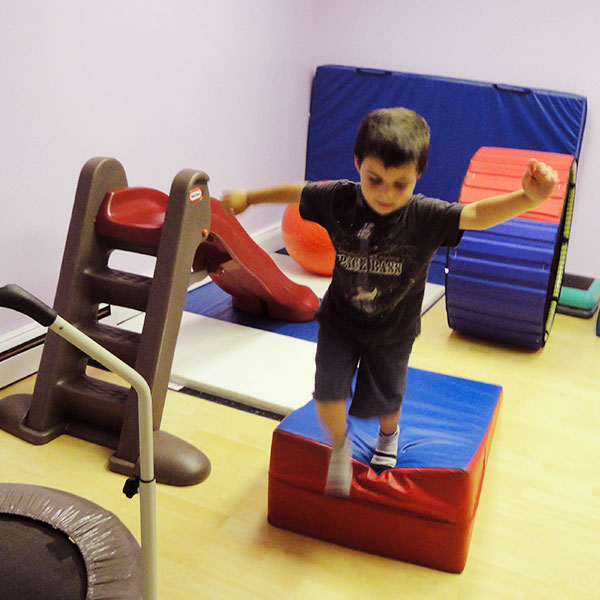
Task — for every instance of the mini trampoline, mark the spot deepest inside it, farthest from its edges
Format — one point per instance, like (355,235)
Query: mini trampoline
(55,545)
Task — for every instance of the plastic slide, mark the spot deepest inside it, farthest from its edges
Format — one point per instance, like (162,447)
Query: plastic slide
(233,260)
(243,269)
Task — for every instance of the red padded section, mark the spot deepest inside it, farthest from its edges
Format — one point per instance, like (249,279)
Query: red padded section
(495,171)
(133,215)
(370,527)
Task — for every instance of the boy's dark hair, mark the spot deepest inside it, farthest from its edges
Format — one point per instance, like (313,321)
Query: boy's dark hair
(395,136)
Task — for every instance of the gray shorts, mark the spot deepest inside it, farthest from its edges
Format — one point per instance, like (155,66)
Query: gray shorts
(380,373)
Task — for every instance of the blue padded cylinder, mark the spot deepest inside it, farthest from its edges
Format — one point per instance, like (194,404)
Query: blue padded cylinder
(497,281)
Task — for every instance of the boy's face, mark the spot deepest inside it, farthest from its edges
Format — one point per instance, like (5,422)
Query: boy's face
(386,189)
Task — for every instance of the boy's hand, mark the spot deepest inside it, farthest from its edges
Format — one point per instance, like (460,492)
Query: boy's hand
(539,181)
(234,202)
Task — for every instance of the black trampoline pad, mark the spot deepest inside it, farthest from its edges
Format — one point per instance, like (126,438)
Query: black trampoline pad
(38,562)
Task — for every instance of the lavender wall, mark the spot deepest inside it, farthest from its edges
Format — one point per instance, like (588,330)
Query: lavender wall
(225,87)
(219,86)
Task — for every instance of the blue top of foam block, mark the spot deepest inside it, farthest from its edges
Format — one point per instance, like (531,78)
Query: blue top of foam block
(443,422)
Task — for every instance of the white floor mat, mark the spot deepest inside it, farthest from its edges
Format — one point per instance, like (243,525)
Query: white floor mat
(265,370)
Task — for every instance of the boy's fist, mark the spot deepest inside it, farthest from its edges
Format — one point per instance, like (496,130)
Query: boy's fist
(539,180)
(234,201)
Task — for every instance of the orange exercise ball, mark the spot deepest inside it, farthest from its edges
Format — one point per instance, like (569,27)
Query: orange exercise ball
(307,242)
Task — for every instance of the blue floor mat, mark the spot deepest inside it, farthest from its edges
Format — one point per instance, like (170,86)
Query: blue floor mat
(211,301)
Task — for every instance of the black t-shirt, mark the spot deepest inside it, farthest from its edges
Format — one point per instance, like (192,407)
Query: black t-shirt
(381,262)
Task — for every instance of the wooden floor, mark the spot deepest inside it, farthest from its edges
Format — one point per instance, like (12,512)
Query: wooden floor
(537,530)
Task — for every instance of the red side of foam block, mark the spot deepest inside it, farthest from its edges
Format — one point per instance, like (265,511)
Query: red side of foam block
(423,516)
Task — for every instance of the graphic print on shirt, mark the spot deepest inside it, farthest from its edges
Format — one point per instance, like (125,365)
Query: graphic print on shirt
(364,298)
(375,274)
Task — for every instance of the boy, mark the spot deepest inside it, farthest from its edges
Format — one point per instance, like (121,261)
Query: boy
(385,238)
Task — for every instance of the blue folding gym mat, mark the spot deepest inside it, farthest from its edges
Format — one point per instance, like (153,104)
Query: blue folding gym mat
(464,116)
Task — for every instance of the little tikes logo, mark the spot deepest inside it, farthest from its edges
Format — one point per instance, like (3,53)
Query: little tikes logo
(196,194)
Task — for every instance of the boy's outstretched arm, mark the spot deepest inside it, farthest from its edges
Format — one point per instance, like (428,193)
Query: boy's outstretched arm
(236,201)
(538,183)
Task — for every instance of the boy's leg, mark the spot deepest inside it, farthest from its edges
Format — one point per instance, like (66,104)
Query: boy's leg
(333,417)
(386,452)
(336,361)
(389,424)
(380,387)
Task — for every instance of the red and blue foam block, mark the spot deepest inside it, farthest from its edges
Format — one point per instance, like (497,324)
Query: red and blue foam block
(423,510)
